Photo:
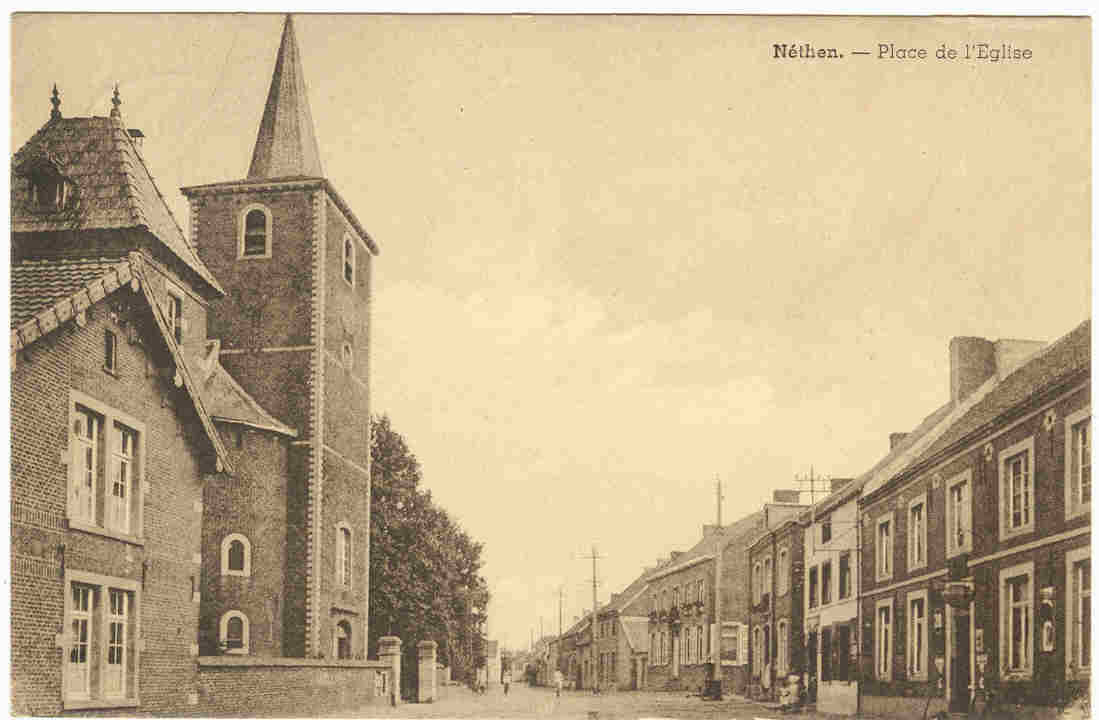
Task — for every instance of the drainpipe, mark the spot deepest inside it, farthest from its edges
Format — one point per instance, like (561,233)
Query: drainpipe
(771,612)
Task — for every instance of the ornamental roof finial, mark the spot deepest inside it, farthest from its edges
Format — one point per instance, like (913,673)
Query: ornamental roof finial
(55,100)
(115,102)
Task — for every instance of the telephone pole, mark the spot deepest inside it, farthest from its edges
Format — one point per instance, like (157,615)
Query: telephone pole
(812,481)
(595,556)
(560,610)
(715,632)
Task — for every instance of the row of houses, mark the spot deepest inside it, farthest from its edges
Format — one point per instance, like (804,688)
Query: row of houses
(956,568)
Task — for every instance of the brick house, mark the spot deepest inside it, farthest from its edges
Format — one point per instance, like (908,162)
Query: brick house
(211,493)
(569,660)
(776,612)
(111,439)
(621,644)
(683,643)
(977,553)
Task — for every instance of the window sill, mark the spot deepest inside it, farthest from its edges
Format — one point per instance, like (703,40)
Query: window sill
(236,573)
(101,703)
(104,532)
(1079,511)
(1006,534)
(1017,676)
(254,257)
(950,554)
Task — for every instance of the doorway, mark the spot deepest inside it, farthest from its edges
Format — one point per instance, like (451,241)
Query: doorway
(959,662)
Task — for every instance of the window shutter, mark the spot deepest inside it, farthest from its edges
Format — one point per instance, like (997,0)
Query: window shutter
(743,637)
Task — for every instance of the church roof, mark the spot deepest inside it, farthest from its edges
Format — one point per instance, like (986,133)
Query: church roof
(286,145)
(225,399)
(113,187)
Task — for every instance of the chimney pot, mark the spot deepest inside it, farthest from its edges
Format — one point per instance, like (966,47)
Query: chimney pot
(972,361)
(895,439)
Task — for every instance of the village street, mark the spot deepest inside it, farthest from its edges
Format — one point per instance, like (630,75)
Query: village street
(538,702)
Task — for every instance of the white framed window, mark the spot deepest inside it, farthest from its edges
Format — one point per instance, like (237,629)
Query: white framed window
(826,582)
(173,311)
(84,464)
(255,233)
(106,468)
(349,259)
(1078,612)
(916,636)
(814,574)
(917,532)
(123,449)
(234,633)
(114,684)
(341,640)
(883,639)
(236,555)
(82,632)
(344,555)
(959,514)
(1017,489)
(1078,463)
(100,658)
(826,531)
(782,572)
(702,591)
(1017,621)
(783,650)
(883,550)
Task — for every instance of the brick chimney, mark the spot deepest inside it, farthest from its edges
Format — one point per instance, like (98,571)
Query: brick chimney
(895,439)
(972,361)
(708,530)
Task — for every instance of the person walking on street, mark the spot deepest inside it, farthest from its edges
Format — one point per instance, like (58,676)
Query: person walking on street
(507,681)
(558,681)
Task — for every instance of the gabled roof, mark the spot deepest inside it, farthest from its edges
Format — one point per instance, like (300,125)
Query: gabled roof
(128,272)
(39,284)
(708,545)
(113,188)
(225,399)
(1052,365)
(286,144)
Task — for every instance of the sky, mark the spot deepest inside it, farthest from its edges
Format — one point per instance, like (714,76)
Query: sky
(624,256)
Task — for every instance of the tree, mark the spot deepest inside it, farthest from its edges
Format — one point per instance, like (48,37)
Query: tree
(425,580)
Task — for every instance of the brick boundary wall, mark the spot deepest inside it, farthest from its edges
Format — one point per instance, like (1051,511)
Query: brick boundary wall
(284,687)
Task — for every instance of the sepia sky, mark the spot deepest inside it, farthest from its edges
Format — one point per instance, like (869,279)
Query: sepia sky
(622,255)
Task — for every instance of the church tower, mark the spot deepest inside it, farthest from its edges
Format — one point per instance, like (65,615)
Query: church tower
(294,332)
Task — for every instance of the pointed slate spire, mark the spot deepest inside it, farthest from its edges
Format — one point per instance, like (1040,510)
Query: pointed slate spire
(286,144)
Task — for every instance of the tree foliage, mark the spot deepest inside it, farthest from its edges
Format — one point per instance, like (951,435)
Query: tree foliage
(425,581)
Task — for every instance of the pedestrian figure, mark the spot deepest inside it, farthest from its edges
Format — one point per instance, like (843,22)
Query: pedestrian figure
(507,680)
(558,681)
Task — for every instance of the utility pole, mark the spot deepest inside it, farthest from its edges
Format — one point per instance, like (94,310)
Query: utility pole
(595,556)
(715,633)
(812,481)
(560,610)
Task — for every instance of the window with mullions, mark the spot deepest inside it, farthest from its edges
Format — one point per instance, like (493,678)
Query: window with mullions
(845,575)
(883,640)
(917,635)
(959,514)
(884,548)
(917,533)
(1078,463)
(1017,489)
(1078,612)
(105,468)
(1017,620)
(100,667)
(255,233)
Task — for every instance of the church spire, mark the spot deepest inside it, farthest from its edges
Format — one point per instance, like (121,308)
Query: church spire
(286,144)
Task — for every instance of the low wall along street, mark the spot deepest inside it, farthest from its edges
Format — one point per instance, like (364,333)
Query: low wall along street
(251,686)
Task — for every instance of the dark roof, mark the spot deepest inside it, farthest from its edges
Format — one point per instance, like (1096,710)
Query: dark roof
(708,545)
(114,189)
(1047,368)
(286,144)
(225,399)
(39,284)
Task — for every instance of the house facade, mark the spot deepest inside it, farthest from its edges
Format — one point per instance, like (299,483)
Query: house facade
(775,624)
(190,468)
(977,554)
(621,645)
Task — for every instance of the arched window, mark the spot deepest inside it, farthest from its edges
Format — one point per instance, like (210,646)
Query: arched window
(341,640)
(236,555)
(255,232)
(234,632)
(343,555)
(349,259)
